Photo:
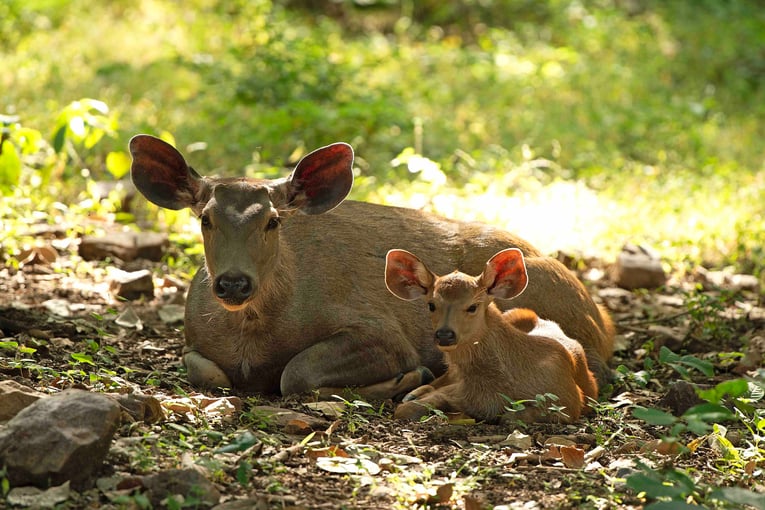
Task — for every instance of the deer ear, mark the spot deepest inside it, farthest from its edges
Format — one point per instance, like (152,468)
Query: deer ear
(505,274)
(161,174)
(322,179)
(406,276)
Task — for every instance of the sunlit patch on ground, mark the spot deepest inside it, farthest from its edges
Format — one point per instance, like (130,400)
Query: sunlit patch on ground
(563,215)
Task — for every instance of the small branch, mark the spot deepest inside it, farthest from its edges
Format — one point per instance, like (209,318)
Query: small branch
(657,320)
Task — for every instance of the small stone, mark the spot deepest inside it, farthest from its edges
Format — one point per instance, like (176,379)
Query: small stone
(188,484)
(680,397)
(638,267)
(131,285)
(14,397)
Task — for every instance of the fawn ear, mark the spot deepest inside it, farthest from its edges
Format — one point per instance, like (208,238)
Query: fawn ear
(406,276)
(321,180)
(505,274)
(161,174)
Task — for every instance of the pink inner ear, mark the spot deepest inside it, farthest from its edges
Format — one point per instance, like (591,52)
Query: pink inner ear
(322,179)
(403,275)
(408,277)
(510,276)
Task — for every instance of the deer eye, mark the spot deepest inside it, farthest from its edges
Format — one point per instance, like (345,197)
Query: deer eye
(472,308)
(431,307)
(204,220)
(273,223)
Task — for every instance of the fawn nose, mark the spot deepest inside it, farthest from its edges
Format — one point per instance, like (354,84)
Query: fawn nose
(445,337)
(233,287)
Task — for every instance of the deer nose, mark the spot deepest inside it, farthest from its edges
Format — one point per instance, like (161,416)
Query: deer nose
(445,337)
(233,287)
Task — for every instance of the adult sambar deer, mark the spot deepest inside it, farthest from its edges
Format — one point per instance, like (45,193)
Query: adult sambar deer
(492,356)
(291,298)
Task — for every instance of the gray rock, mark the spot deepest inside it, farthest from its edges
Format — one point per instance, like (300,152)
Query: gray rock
(14,397)
(131,285)
(680,397)
(638,267)
(125,246)
(190,484)
(59,438)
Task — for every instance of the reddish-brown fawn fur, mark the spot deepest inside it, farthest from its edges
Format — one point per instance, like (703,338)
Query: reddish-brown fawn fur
(491,356)
(290,298)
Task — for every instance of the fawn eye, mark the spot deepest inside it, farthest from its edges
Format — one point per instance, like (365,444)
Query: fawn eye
(204,220)
(472,308)
(273,223)
(431,307)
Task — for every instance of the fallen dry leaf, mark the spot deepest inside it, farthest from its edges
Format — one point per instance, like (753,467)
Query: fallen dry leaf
(572,457)
(551,453)
(331,451)
(298,427)
(347,465)
(40,254)
(443,495)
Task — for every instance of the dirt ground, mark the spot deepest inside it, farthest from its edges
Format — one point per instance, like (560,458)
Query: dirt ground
(61,327)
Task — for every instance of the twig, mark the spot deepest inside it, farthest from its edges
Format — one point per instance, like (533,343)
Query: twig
(666,318)
(286,453)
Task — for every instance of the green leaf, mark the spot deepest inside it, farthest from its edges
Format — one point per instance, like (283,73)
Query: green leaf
(653,487)
(59,138)
(180,428)
(653,416)
(667,356)
(703,366)
(740,497)
(734,388)
(243,473)
(81,357)
(710,413)
(118,164)
(240,443)
(10,167)
(672,505)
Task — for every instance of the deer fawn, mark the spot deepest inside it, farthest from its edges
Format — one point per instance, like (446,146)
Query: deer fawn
(490,354)
(288,301)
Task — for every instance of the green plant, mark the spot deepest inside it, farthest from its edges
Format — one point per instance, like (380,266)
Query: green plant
(727,401)
(356,412)
(705,311)
(682,363)
(546,402)
(675,489)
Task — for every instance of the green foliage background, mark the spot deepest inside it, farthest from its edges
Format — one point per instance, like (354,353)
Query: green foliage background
(579,124)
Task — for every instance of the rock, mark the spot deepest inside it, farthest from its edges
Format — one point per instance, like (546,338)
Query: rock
(136,407)
(638,267)
(190,484)
(172,313)
(14,397)
(125,246)
(726,280)
(37,498)
(131,285)
(680,397)
(59,438)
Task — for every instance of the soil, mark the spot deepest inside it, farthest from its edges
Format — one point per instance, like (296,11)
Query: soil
(61,327)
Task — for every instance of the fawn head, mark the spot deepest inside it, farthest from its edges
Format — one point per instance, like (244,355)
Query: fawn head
(457,301)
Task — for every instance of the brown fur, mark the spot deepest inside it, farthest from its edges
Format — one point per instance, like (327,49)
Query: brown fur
(318,315)
(494,354)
